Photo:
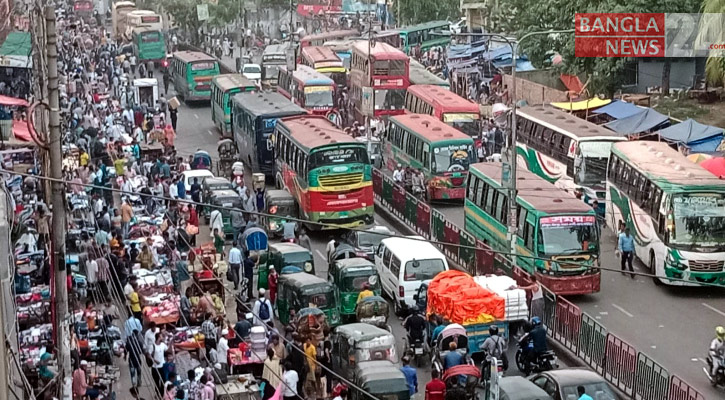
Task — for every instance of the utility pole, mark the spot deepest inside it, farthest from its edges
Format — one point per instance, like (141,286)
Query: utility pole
(57,198)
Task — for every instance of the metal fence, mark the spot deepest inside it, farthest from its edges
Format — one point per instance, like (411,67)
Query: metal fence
(631,371)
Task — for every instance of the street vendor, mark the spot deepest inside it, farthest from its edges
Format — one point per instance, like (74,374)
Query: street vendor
(145,258)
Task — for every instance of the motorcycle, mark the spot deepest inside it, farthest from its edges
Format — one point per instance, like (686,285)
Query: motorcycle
(545,361)
(418,351)
(719,378)
(486,370)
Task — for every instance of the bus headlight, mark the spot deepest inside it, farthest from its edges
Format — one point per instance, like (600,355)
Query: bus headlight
(308,267)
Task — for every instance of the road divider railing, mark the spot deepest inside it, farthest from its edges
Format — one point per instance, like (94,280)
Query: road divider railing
(633,372)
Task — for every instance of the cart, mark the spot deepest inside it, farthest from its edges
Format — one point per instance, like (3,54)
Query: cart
(228,154)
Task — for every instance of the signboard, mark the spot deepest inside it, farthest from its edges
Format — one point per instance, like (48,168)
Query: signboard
(565,221)
(367,101)
(202,12)
(290,58)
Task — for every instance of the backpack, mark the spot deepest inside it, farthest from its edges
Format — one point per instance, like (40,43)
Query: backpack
(263,310)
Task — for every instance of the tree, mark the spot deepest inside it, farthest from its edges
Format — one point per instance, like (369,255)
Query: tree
(604,74)
(417,11)
(185,16)
(715,66)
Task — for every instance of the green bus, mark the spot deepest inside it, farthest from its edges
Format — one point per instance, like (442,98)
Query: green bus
(441,152)
(674,208)
(149,44)
(192,72)
(426,35)
(419,75)
(223,88)
(557,237)
(327,171)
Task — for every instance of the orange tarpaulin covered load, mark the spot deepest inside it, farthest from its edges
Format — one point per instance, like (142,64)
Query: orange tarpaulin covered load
(455,296)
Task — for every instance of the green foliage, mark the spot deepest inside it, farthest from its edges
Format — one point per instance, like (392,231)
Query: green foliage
(519,17)
(417,11)
(715,66)
(184,12)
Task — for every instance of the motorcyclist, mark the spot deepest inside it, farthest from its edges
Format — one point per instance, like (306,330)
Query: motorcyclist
(495,346)
(415,326)
(418,185)
(537,336)
(717,351)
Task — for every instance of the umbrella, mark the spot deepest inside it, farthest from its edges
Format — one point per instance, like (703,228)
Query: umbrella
(698,157)
(715,165)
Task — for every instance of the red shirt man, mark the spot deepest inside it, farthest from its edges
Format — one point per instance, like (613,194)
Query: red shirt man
(436,388)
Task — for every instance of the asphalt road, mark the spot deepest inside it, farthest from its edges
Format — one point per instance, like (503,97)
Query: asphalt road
(672,325)
(195,131)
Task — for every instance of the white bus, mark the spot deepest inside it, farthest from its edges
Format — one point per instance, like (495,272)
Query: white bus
(675,211)
(566,150)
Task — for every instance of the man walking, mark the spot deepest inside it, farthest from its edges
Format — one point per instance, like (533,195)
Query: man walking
(235,263)
(249,263)
(126,216)
(411,376)
(626,248)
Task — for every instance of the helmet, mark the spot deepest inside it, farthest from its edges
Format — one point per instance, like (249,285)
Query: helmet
(535,321)
(493,330)
(720,332)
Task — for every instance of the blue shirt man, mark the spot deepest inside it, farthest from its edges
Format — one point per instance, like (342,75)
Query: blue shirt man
(626,241)
(181,188)
(582,393)
(411,376)
(453,357)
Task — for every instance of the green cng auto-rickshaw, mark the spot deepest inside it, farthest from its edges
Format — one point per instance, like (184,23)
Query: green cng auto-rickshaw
(382,379)
(285,254)
(349,276)
(358,343)
(300,290)
(227,199)
(280,205)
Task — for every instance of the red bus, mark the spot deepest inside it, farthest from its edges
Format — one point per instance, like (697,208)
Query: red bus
(446,106)
(308,88)
(318,39)
(387,75)
(83,8)
(324,60)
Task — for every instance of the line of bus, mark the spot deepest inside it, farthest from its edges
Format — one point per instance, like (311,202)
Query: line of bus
(555,228)
(149,44)
(386,75)
(192,73)
(419,75)
(118,17)
(145,18)
(223,88)
(319,39)
(426,35)
(327,171)
(442,153)
(565,149)
(674,208)
(83,9)
(254,117)
(324,60)
(273,57)
(446,106)
(308,89)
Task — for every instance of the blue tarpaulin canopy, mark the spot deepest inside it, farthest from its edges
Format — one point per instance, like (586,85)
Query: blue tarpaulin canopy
(619,109)
(696,136)
(643,121)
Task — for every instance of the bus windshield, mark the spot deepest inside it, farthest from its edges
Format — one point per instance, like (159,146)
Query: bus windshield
(318,96)
(467,123)
(591,162)
(271,71)
(699,220)
(452,158)
(389,99)
(150,37)
(563,235)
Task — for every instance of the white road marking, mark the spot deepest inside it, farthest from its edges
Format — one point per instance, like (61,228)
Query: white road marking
(711,308)
(196,115)
(703,360)
(209,131)
(603,313)
(319,253)
(625,312)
